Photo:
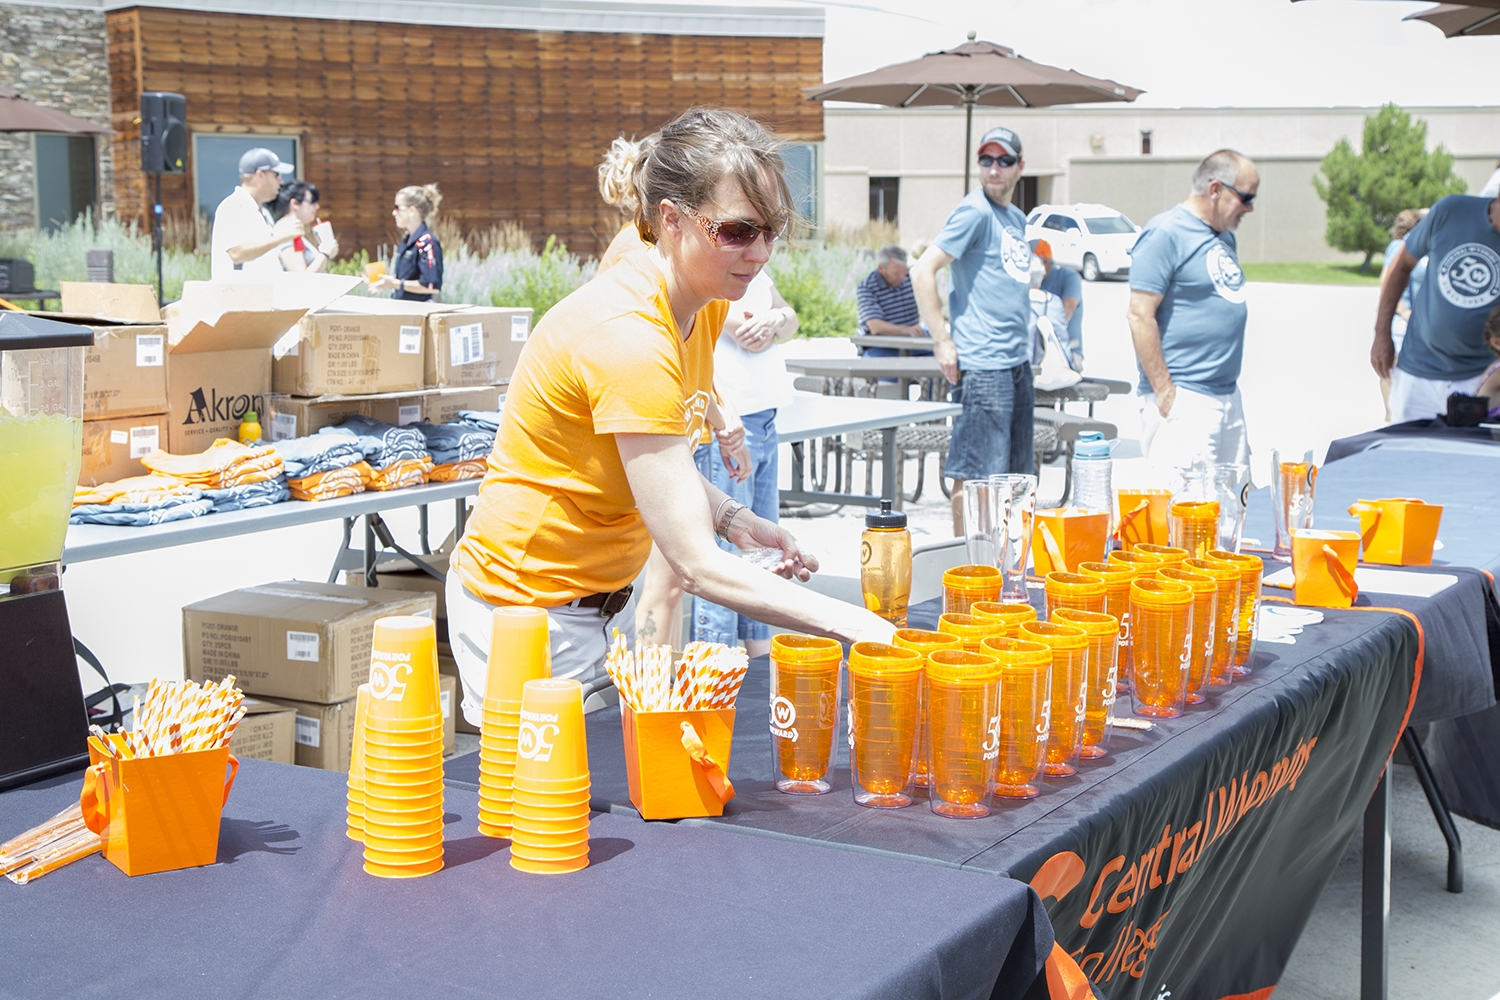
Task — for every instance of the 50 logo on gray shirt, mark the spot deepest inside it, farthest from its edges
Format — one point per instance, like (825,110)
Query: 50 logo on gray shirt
(1469,276)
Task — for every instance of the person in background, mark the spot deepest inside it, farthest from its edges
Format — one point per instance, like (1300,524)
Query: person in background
(1444,351)
(1407,219)
(1490,386)
(1046,305)
(300,199)
(1067,285)
(989,338)
(244,241)
(887,307)
(1187,320)
(750,376)
(416,270)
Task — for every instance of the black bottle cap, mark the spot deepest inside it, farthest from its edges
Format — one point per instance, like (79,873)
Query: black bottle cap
(885,517)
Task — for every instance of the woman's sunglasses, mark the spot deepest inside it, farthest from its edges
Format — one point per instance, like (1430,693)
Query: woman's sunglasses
(736,234)
(989,161)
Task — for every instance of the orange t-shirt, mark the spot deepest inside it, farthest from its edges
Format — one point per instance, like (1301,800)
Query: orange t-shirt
(627,240)
(555,519)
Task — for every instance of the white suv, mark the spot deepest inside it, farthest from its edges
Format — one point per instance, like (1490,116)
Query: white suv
(1094,240)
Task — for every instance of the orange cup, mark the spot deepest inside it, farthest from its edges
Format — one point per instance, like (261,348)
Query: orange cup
(1169,555)
(1193,525)
(1025,683)
(963,585)
(1251,568)
(925,642)
(1074,590)
(1012,613)
(970,629)
(1064,537)
(553,814)
(552,743)
(401,730)
(884,709)
(1145,566)
(356,781)
(964,705)
(1205,618)
(804,711)
(403,671)
(1069,645)
(1117,576)
(1226,616)
(519,652)
(555,853)
(530,797)
(1143,517)
(1161,626)
(548,867)
(1100,677)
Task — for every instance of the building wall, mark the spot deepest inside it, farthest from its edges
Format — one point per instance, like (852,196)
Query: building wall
(1094,155)
(511,124)
(55,57)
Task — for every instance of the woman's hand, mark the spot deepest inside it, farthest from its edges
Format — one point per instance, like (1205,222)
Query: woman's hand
(758,332)
(734,453)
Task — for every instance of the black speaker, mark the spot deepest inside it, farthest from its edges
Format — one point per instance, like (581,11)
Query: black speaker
(163,133)
(43,721)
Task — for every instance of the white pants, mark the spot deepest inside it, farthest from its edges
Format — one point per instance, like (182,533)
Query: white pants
(1414,398)
(579,638)
(1201,428)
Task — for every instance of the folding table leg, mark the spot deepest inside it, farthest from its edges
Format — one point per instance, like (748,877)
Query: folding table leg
(1439,808)
(460,517)
(370,553)
(1374,979)
(338,560)
(422,529)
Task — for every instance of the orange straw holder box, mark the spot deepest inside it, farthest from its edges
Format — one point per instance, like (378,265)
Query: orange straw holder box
(158,814)
(666,780)
(1398,532)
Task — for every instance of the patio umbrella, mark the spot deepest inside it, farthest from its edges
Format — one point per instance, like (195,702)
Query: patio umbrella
(974,73)
(20,115)
(1455,19)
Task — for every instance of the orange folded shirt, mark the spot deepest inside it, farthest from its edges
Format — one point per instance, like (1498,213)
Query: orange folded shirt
(136,489)
(333,483)
(452,472)
(399,475)
(223,464)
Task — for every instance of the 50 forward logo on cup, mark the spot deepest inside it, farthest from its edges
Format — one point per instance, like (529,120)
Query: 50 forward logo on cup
(539,730)
(783,719)
(386,673)
(992,738)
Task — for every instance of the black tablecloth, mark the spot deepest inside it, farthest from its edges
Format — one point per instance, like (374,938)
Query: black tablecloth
(1330,706)
(662,911)
(1412,434)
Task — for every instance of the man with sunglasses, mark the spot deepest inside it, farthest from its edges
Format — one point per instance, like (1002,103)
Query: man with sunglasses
(1187,320)
(986,341)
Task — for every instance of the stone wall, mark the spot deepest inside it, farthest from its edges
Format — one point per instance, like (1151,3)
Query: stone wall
(55,57)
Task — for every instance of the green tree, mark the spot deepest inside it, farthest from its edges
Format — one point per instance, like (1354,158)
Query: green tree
(1365,191)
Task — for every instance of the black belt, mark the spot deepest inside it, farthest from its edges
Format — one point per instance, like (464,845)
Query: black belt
(609,604)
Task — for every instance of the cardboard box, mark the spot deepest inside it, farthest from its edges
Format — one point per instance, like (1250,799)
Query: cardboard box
(442,406)
(287,417)
(267,732)
(398,574)
(324,734)
(449,696)
(298,640)
(115,302)
(474,345)
(219,350)
(125,372)
(448,668)
(112,449)
(349,352)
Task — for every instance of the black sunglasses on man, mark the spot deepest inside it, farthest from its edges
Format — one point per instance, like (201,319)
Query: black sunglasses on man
(1245,199)
(987,160)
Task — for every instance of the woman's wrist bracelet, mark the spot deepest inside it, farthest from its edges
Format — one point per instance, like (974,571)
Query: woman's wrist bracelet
(724,516)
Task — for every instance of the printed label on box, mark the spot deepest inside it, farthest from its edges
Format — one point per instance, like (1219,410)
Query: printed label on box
(445,699)
(519,327)
(283,426)
(411,340)
(302,646)
(144,440)
(287,346)
(408,414)
(309,731)
(120,437)
(466,344)
(148,350)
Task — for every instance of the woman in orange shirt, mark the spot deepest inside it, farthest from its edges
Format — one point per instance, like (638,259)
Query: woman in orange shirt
(593,458)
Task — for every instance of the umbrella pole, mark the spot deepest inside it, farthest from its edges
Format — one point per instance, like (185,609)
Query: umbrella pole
(968,134)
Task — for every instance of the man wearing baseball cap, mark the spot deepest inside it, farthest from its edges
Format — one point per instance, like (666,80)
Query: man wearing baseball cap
(1068,286)
(985,347)
(244,242)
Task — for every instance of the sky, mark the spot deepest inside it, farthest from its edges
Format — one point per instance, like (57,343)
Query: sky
(1191,53)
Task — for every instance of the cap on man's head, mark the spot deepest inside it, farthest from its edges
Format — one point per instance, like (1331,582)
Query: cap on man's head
(263,159)
(1041,248)
(1008,141)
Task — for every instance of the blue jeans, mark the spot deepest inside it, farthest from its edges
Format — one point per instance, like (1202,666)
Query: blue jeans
(993,434)
(712,623)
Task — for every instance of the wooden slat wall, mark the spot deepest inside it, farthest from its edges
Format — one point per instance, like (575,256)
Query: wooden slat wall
(511,124)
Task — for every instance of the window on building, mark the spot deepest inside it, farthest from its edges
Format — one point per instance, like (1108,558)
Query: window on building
(67,179)
(216,168)
(804,177)
(1145,142)
(884,192)
(1025,197)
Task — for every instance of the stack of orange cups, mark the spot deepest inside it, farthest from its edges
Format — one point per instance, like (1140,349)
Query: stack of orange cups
(884,691)
(1079,591)
(519,652)
(963,585)
(964,709)
(357,767)
(924,642)
(1193,525)
(1205,615)
(1161,629)
(1168,554)
(1012,613)
(1100,677)
(1117,577)
(550,806)
(1069,645)
(970,629)
(403,748)
(1250,568)
(1025,680)
(1226,616)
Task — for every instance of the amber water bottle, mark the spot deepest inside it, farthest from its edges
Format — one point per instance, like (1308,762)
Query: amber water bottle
(885,564)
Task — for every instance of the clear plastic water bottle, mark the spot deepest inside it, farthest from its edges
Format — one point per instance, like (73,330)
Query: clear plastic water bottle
(1092,467)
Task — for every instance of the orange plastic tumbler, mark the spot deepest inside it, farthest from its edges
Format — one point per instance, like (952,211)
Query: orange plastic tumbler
(1012,613)
(1025,683)
(1251,568)
(1205,614)
(1168,554)
(804,711)
(1117,576)
(1226,616)
(964,707)
(1074,590)
(924,642)
(1069,645)
(884,688)
(1161,628)
(1100,677)
(970,629)
(963,585)
(1194,525)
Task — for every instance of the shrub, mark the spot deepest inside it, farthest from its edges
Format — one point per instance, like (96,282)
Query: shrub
(538,280)
(62,255)
(819,284)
